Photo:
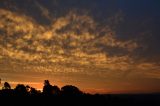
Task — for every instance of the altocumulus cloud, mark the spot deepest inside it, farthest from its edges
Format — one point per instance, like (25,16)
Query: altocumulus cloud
(71,39)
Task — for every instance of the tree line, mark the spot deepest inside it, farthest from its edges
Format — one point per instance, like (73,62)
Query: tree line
(67,95)
(48,90)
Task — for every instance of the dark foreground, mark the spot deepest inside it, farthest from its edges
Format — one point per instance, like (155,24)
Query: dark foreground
(69,95)
(83,100)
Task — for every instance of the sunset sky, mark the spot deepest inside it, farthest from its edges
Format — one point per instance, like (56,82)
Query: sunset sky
(100,46)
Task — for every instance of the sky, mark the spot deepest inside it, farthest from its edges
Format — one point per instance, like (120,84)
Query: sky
(100,46)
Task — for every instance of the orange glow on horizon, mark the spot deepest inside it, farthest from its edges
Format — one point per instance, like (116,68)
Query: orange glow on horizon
(39,86)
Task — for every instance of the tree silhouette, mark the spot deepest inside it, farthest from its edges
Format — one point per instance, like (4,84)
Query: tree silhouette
(6,90)
(70,90)
(47,88)
(6,86)
(34,92)
(21,90)
(55,90)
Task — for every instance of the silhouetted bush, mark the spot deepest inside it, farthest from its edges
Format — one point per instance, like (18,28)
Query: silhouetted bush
(6,92)
(56,90)
(21,90)
(6,86)
(70,90)
(34,92)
